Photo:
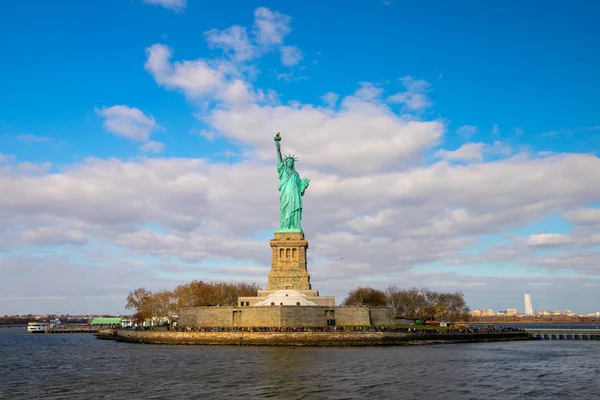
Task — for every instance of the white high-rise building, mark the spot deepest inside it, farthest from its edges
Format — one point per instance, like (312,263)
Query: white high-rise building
(528,307)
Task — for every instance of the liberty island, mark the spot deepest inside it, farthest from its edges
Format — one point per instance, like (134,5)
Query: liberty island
(289,299)
(290,311)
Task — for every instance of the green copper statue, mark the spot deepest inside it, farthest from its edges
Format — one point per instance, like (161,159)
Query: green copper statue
(291,190)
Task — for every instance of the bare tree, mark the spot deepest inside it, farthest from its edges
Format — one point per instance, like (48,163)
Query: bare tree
(140,301)
(166,305)
(427,304)
(394,297)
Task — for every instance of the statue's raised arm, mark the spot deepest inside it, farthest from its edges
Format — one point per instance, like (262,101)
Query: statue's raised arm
(291,190)
(278,147)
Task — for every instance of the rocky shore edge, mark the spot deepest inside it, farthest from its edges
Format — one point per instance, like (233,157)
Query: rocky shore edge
(297,339)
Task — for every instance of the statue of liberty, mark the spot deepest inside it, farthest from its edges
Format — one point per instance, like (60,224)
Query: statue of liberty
(291,190)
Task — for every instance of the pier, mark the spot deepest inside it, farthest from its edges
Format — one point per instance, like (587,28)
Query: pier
(564,334)
(72,329)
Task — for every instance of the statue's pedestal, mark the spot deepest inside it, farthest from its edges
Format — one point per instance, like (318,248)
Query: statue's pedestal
(288,262)
(289,271)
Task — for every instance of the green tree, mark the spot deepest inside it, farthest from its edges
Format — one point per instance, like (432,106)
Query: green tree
(199,293)
(366,296)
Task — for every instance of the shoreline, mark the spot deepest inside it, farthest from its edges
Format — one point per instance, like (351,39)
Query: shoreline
(531,323)
(298,339)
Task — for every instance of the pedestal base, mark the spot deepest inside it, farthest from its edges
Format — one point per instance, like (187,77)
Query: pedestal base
(288,262)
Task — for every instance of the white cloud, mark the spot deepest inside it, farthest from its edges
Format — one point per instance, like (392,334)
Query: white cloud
(187,247)
(185,195)
(548,240)
(361,136)
(330,99)
(474,152)
(270,26)
(227,80)
(29,139)
(268,34)
(153,147)
(579,238)
(290,55)
(590,128)
(291,76)
(467,130)
(583,216)
(414,98)
(495,130)
(393,140)
(466,152)
(268,96)
(174,5)
(413,101)
(200,79)
(52,236)
(208,135)
(126,121)
(415,85)
(30,168)
(233,40)
(237,92)
(194,78)
(380,222)
(368,91)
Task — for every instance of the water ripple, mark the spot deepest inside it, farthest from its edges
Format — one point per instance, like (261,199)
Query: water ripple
(82,367)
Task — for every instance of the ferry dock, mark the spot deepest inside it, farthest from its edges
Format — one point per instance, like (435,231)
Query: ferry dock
(71,329)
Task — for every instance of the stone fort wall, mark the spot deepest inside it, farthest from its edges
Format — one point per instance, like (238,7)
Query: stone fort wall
(285,316)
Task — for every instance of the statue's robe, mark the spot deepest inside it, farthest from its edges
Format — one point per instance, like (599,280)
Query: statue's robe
(291,190)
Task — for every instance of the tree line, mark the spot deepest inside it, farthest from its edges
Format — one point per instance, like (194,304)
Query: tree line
(147,304)
(416,303)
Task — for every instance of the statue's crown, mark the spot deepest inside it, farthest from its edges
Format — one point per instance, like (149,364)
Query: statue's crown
(290,156)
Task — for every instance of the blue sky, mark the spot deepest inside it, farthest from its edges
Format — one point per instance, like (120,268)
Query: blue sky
(450,146)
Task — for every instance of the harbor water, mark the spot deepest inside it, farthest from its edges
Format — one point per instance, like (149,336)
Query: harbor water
(79,366)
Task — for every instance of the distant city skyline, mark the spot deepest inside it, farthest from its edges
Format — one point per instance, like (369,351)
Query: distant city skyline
(528,306)
(545,313)
(450,146)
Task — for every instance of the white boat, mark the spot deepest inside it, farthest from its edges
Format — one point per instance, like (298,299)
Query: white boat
(37,327)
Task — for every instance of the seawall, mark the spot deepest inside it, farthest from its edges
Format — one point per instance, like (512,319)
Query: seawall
(302,338)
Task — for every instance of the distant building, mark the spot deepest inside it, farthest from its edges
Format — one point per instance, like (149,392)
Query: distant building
(405,321)
(528,307)
(106,322)
(511,311)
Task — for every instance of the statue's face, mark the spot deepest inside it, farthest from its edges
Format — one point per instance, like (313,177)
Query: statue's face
(289,162)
